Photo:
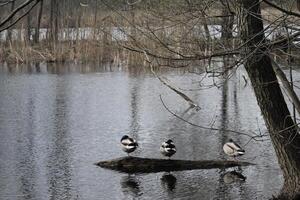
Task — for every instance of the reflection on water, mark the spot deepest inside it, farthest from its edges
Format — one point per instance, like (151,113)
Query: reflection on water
(57,120)
(52,68)
(233,176)
(58,161)
(130,186)
(168,181)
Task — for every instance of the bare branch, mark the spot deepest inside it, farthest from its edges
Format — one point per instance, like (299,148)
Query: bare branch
(291,93)
(4,3)
(254,137)
(281,9)
(185,97)
(19,18)
(12,14)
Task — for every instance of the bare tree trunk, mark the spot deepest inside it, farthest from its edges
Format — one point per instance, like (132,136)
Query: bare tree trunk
(207,33)
(205,26)
(50,26)
(9,35)
(54,10)
(28,37)
(78,25)
(227,23)
(57,13)
(132,58)
(38,26)
(283,131)
(95,19)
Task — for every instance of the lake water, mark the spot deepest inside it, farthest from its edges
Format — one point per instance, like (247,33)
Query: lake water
(56,121)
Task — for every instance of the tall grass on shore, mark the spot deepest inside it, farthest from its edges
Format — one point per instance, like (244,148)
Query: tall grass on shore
(94,36)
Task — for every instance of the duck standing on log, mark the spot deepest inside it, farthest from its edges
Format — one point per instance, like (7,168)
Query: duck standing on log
(128,144)
(168,148)
(232,149)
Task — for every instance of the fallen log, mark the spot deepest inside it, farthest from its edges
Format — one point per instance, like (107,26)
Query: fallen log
(149,165)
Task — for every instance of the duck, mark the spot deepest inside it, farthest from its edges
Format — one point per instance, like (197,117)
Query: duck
(232,149)
(168,148)
(129,144)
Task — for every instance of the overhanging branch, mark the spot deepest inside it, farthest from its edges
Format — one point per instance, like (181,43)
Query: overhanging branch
(14,12)
(281,9)
(19,18)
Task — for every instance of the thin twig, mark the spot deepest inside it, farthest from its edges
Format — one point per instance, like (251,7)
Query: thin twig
(254,137)
(184,96)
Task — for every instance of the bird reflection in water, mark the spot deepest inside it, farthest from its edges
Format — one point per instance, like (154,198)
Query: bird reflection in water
(233,176)
(168,181)
(130,186)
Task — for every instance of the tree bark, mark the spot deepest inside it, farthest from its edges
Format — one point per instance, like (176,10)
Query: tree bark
(288,87)
(282,129)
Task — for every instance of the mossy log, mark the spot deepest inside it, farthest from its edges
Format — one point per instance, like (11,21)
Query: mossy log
(149,165)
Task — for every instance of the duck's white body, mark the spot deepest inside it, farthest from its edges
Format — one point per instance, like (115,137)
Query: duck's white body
(233,149)
(168,148)
(128,144)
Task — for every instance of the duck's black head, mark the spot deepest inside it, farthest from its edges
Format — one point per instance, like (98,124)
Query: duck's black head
(169,141)
(230,140)
(125,137)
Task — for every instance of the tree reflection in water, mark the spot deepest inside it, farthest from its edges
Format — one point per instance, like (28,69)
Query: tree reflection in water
(168,181)
(130,186)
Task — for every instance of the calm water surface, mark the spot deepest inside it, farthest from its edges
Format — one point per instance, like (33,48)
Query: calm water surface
(57,121)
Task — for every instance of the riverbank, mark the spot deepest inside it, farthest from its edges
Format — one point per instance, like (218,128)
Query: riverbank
(100,42)
(79,51)
(92,51)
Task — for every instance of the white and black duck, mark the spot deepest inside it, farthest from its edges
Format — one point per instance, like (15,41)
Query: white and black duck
(128,144)
(168,148)
(232,149)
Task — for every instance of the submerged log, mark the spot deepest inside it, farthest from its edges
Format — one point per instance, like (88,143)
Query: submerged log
(149,165)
